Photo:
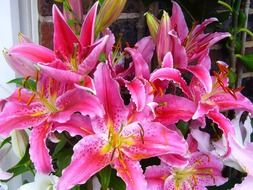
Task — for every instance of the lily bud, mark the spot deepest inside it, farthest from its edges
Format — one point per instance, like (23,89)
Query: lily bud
(20,64)
(163,39)
(19,139)
(153,25)
(108,13)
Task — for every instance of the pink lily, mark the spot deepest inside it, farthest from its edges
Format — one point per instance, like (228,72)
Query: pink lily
(71,57)
(221,96)
(196,42)
(118,141)
(202,170)
(185,47)
(49,108)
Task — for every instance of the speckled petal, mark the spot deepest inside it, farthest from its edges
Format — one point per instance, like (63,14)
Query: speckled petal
(77,125)
(21,116)
(173,108)
(131,173)
(76,100)
(86,161)
(108,92)
(156,175)
(39,152)
(152,139)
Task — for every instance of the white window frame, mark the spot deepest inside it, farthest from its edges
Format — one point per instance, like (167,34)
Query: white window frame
(15,16)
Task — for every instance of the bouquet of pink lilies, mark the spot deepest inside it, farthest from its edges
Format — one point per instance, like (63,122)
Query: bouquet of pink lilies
(120,111)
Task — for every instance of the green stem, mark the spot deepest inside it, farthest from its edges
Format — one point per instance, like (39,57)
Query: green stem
(235,15)
(243,48)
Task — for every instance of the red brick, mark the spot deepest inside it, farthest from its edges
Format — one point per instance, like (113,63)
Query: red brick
(46,34)
(45,7)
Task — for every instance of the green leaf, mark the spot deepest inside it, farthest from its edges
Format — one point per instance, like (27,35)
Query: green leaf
(246,30)
(232,77)
(226,5)
(102,57)
(5,141)
(71,22)
(28,84)
(101,2)
(183,127)
(241,19)
(59,146)
(247,61)
(63,159)
(23,165)
(104,177)
(116,183)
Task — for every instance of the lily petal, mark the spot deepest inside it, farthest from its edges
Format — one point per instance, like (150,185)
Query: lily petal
(60,75)
(107,90)
(86,161)
(77,125)
(153,139)
(38,150)
(155,176)
(64,38)
(170,74)
(5,175)
(21,65)
(178,21)
(76,100)
(18,116)
(140,65)
(88,27)
(146,47)
(163,40)
(223,123)
(168,60)
(137,91)
(174,108)
(131,172)
(33,52)
(90,62)
(226,101)
(247,182)
(202,73)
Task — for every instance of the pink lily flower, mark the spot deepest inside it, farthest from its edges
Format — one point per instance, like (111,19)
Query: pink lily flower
(202,170)
(72,56)
(184,47)
(49,108)
(118,140)
(193,44)
(221,97)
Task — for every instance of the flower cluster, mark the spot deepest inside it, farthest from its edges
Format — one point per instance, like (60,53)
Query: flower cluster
(125,111)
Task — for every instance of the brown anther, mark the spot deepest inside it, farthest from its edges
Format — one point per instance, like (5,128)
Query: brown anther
(141,133)
(113,152)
